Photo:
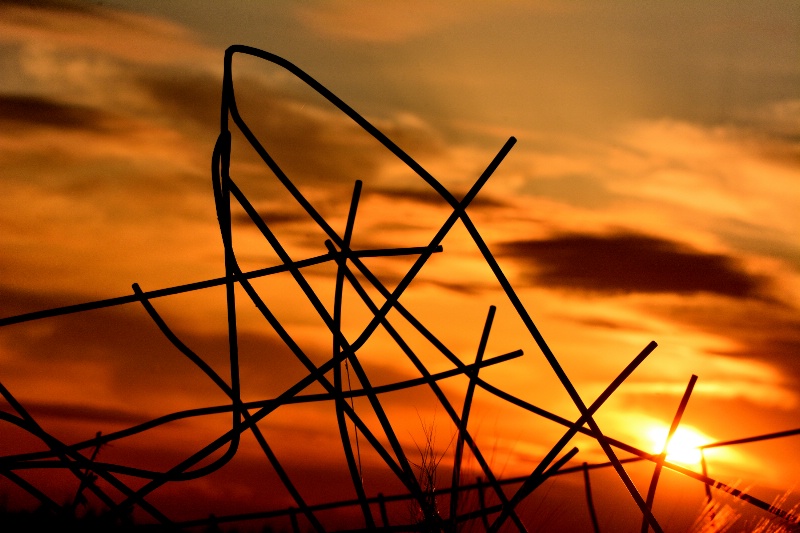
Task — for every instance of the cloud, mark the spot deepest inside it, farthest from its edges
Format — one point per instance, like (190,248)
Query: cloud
(397,21)
(271,218)
(115,360)
(86,158)
(314,143)
(55,5)
(120,34)
(187,96)
(580,190)
(767,393)
(757,330)
(383,22)
(626,262)
(85,413)
(27,111)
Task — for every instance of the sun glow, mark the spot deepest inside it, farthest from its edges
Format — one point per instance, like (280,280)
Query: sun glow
(683,448)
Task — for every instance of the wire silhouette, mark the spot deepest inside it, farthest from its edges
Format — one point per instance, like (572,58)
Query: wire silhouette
(498,499)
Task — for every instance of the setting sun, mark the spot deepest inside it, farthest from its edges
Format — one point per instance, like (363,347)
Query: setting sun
(683,448)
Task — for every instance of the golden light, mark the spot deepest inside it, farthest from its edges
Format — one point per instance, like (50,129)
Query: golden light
(683,448)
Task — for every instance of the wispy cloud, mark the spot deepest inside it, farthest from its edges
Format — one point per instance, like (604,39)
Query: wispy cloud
(124,35)
(383,22)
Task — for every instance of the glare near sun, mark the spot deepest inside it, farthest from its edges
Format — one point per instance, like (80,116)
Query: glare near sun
(683,447)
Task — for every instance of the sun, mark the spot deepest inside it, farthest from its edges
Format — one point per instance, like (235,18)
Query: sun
(683,448)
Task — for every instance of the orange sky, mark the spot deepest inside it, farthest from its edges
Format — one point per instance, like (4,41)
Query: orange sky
(651,195)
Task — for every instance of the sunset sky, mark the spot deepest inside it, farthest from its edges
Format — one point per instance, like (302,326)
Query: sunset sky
(652,194)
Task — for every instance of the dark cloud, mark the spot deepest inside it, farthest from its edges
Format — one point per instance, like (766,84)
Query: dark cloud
(760,330)
(463,289)
(278,217)
(625,263)
(26,111)
(309,144)
(186,96)
(15,302)
(312,142)
(86,413)
(599,322)
(781,349)
(52,5)
(312,149)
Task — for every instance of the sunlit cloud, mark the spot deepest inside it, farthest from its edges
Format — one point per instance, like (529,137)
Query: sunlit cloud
(726,170)
(763,393)
(119,34)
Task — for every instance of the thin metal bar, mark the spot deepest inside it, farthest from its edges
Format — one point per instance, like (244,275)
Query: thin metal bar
(462,428)
(384,513)
(757,438)
(704,468)
(206,284)
(651,491)
(533,479)
(589,500)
